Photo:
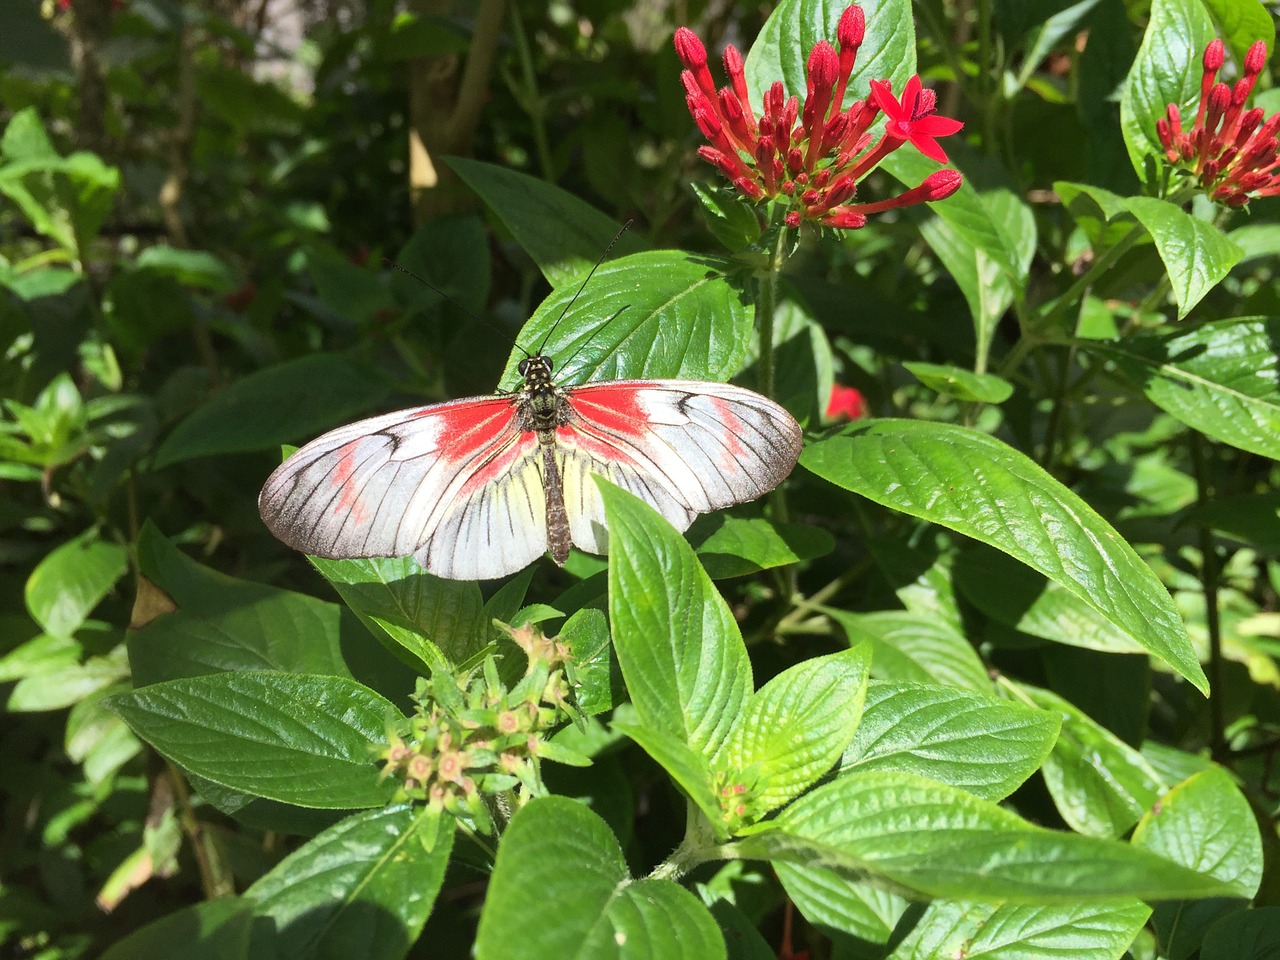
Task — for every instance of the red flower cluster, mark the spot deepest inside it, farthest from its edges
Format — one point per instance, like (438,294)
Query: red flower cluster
(813,154)
(1231,151)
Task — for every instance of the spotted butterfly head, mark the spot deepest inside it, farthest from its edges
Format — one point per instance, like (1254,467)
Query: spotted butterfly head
(536,370)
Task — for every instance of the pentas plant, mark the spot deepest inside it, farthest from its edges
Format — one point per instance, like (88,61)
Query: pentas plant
(1231,152)
(809,158)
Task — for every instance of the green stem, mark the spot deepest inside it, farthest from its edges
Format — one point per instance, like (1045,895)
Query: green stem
(1077,290)
(1209,578)
(529,97)
(766,304)
(1055,415)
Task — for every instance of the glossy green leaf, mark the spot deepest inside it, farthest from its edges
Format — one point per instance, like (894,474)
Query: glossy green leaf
(1087,931)
(1167,70)
(917,834)
(1205,823)
(734,220)
(1221,379)
(961,383)
(825,897)
(1196,254)
(599,913)
(70,581)
(781,50)
(436,621)
(742,545)
(987,747)
(594,670)
(658,314)
(689,769)
(915,648)
(563,234)
(212,930)
(798,724)
(1018,597)
(288,402)
(677,642)
(980,487)
(363,888)
(1100,784)
(304,740)
(62,686)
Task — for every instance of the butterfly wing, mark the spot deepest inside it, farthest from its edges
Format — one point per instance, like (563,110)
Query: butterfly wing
(684,446)
(457,485)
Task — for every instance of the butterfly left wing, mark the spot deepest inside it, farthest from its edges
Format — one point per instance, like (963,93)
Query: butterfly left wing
(684,446)
(455,484)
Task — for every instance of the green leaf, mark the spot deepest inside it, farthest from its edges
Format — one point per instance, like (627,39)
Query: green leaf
(734,220)
(825,897)
(1167,70)
(623,326)
(304,740)
(916,834)
(437,622)
(190,621)
(1093,931)
(213,930)
(287,402)
(593,668)
(1206,824)
(363,888)
(1196,254)
(567,854)
(980,487)
(564,235)
(688,768)
(1221,379)
(1015,595)
(988,747)
(1100,784)
(798,724)
(1248,935)
(677,642)
(62,686)
(740,546)
(781,50)
(1252,518)
(192,268)
(961,383)
(915,647)
(70,581)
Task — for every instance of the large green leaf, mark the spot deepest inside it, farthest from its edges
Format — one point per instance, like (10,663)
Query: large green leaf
(558,851)
(915,648)
(1241,22)
(678,645)
(363,888)
(298,739)
(291,401)
(658,314)
(781,51)
(70,581)
(1222,379)
(742,545)
(1167,70)
(985,489)
(564,235)
(212,930)
(1205,823)
(988,747)
(917,834)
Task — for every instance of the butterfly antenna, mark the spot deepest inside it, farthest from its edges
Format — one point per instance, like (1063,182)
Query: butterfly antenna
(428,283)
(616,237)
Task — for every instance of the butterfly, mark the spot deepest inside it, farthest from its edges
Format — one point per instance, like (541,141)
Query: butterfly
(479,488)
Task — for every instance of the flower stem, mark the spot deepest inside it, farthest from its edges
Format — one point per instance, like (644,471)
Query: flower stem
(1209,578)
(1077,290)
(766,305)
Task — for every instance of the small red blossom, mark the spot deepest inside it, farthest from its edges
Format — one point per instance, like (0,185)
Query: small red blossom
(239,300)
(812,155)
(1233,153)
(846,403)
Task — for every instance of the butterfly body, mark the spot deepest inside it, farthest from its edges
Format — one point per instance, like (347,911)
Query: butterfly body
(479,488)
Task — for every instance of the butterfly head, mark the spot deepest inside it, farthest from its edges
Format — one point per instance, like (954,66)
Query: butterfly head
(536,372)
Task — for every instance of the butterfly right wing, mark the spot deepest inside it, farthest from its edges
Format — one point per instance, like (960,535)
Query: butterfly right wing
(457,485)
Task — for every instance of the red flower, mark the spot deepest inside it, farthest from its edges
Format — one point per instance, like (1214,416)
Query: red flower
(1232,152)
(913,118)
(811,157)
(846,403)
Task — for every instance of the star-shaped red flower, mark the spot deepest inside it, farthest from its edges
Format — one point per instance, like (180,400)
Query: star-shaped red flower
(914,119)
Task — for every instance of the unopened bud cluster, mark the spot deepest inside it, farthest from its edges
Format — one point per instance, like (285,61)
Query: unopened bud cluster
(471,737)
(1232,152)
(738,794)
(810,157)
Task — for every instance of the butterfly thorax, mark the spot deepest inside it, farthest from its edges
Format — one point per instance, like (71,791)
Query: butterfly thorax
(542,405)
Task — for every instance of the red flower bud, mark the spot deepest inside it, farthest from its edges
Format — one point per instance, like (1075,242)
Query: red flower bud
(852,27)
(690,49)
(940,185)
(1256,58)
(1213,56)
(844,219)
(792,219)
